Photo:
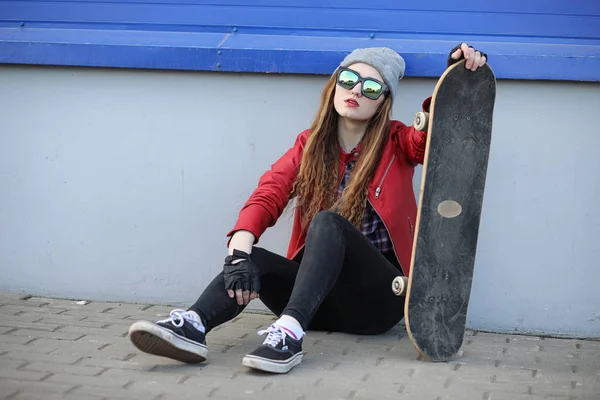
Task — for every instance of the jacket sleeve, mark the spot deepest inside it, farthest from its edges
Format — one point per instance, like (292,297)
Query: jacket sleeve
(412,142)
(272,195)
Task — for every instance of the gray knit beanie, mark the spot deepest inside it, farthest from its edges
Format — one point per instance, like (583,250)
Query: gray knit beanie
(390,64)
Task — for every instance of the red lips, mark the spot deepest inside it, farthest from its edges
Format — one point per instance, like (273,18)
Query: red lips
(351,102)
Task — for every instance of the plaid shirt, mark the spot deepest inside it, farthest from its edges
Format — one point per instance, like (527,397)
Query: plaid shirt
(372,226)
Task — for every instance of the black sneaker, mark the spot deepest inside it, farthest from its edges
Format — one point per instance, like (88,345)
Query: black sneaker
(178,337)
(279,352)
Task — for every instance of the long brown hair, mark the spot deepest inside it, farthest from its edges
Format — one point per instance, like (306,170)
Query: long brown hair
(318,179)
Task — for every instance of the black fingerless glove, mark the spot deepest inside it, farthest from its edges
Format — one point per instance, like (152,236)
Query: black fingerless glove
(244,275)
(452,60)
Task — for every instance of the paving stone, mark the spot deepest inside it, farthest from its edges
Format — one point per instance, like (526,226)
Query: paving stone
(82,380)
(106,330)
(58,368)
(499,395)
(5,329)
(139,390)
(107,392)
(106,341)
(12,373)
(6,392)
(79,346)
(59,349)
(303,391)
(146,376)
(199,376)
(21,340)
(70,320)
(105,363)
(13,364)
(35,357)
(8,322)
(82,352)
(15,310)
(26,348)
(31,395)
(107,319)
(31,333)
(28,316)
(49,388)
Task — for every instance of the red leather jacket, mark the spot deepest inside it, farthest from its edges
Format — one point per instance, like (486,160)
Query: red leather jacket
(390,191)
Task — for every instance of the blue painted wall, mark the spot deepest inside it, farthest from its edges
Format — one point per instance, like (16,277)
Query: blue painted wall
(537,39)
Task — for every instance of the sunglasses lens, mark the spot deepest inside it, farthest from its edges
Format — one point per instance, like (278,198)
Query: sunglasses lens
(371,89)
(347,79)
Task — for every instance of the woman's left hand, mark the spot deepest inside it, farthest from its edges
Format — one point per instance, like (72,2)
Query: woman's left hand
(474,58)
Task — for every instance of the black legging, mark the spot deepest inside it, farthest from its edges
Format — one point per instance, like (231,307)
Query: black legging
(343,283)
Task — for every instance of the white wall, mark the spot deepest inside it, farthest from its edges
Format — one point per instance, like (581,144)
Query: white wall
(121,185)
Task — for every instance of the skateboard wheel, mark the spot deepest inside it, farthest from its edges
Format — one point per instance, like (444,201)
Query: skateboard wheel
(421,121)
(399,285)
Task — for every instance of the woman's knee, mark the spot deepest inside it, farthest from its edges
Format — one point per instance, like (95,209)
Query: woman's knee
(267,261)
(327,225)
(327,219)
(261,258)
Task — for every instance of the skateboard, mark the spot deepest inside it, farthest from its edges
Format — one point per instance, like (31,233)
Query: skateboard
(438,286)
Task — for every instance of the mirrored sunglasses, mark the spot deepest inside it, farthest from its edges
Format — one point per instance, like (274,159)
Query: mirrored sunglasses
(371,88)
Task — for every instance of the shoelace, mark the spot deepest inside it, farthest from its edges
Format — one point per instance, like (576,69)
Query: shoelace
(275,335)
(178,317)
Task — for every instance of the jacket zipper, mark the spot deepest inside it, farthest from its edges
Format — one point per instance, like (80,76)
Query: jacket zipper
(378,190)
(410,226)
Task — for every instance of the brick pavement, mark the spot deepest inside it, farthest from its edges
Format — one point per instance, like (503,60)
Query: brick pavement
(59,349)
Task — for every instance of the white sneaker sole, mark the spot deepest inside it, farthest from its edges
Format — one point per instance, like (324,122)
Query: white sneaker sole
(153,339)
(265,364)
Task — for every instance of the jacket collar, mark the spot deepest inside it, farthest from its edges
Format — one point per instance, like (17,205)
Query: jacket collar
(351,155)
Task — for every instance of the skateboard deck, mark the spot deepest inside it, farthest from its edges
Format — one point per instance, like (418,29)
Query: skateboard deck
(452,186)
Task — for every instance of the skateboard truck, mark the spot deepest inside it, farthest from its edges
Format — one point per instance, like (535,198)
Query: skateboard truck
(421,121)
(399,285)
